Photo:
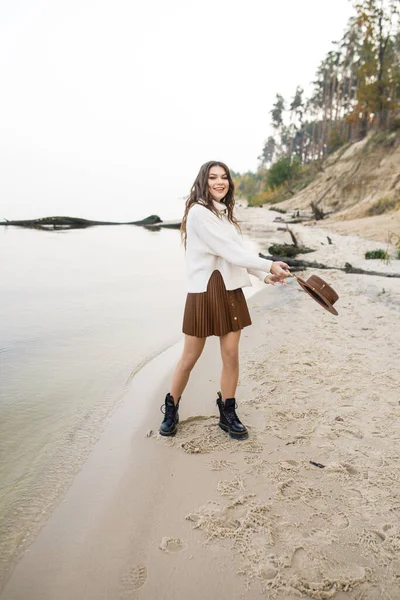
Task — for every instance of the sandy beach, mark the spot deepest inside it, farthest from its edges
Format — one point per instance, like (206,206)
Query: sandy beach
(307,507)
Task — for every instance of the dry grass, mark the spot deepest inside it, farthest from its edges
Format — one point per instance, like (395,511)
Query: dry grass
(383,205)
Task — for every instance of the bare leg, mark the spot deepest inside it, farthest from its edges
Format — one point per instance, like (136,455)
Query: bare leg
(230,364)
(192,349)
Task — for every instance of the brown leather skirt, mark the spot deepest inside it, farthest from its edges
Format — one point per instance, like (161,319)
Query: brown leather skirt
(217,311)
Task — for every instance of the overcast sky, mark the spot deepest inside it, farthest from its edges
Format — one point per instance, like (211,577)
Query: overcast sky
(108,108)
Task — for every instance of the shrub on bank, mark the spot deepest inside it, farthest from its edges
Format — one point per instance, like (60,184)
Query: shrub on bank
(380,254)
(383,205)
(283,170)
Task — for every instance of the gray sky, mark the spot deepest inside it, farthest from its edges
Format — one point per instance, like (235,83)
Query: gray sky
(108,109)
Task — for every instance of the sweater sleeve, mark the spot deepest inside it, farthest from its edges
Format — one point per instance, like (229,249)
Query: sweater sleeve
(259,274)
(213,234)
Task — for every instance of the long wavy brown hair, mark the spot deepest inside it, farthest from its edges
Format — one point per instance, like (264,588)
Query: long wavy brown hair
(200,193)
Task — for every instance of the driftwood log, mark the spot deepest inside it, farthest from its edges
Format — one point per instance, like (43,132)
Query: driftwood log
(296,264)
(57,223)
(294,220)
(288,250)
(294,238)
(318,212)
(300,265)
(162,225)
(47,223)
(350,269)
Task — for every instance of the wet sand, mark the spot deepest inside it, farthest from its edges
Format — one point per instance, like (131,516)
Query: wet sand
(307,507)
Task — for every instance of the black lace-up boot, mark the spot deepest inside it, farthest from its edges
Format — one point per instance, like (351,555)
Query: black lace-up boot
(229,421)
(171,419)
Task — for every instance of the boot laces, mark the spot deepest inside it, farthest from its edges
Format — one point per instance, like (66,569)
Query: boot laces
(169,410)
(234,413)
(231,410)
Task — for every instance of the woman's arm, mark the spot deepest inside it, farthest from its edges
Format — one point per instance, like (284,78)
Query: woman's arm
(259,274)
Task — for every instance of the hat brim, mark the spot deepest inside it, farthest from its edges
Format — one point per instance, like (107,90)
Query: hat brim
(317,297)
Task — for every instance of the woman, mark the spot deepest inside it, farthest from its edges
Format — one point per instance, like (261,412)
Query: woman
(218,266)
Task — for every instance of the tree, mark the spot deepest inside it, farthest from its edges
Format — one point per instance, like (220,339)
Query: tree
(356,87)
(277,112)
(296,117)
(283,170)
(376,20)
(268,152)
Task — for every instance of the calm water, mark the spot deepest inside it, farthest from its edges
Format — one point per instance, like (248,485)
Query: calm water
(80,312)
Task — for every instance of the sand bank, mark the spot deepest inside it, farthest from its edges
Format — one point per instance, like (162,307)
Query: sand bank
(379,228)
(204,516)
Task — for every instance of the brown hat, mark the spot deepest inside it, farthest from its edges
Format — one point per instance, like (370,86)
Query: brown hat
(322,293)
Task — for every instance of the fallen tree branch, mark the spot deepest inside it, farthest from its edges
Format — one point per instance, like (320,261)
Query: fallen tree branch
(318,212)
(288,250)
(300,265)
(294,239)
(348,268)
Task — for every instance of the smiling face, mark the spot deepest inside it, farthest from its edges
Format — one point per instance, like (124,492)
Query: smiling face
(218,183)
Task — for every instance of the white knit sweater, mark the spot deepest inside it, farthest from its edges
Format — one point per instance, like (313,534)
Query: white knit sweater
(215,243)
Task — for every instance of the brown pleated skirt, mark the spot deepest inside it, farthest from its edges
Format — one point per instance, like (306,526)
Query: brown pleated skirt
(217,311)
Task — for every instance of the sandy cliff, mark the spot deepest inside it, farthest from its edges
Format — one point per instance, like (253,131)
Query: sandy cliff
(353,181)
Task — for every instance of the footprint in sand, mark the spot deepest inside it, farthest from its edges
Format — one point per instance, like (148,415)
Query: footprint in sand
(339,520)
(229,488)
(293,491)
(308,568)
(171,545)
(373,537)
(305,566)
(201,435)
(268,572)
(350,469)
(353,498)
(290,466)
(321,536)
(299,559)
(131,580)
(221,465)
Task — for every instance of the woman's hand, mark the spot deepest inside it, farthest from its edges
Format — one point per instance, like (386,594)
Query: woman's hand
(273,279)
(280,269)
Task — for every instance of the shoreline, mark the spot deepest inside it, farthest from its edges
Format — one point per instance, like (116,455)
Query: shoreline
(61,458)
(125,530)
(102,477)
